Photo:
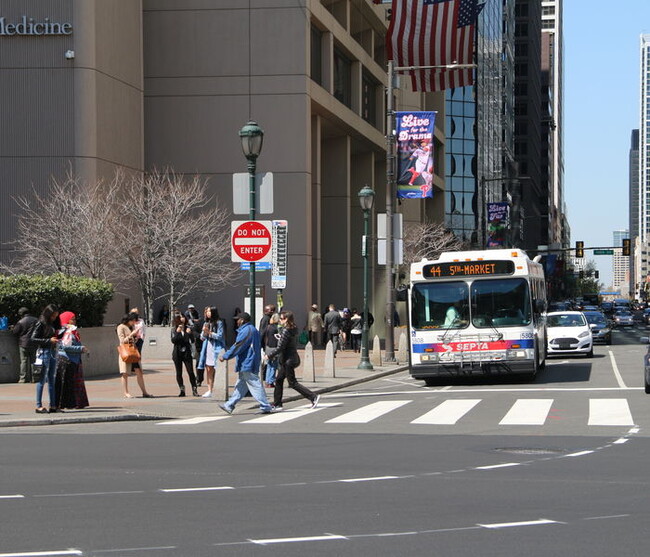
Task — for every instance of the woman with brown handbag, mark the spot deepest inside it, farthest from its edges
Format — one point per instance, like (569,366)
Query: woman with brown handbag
(126,335)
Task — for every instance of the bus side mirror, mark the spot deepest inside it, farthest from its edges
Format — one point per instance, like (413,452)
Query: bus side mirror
(401,293)
(540,306)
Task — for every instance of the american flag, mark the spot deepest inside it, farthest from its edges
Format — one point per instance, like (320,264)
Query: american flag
(434,33)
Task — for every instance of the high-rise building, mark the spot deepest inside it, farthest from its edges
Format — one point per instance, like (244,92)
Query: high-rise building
(479,127)
(634,201)
(621,264)
(553,119)
(644,141)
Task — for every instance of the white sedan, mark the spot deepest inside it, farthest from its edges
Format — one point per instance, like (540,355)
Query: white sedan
(568,333)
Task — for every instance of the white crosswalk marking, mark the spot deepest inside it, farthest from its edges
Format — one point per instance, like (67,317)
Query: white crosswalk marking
(447,413)
(288,415)
(609,411)
(194,421)
(528,411)
(368,413)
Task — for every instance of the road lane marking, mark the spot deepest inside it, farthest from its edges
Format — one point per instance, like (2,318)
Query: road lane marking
(620,441)
(581,453)
(326,537)
(366,414)
(528,411)
(189,489)
(617,373)
(12,496)
(87,494)
(194,421)
(515,524)
(374,479)
(123,549)
(287,415)
(42,553)
(609,412)
(447,413)
(494,466)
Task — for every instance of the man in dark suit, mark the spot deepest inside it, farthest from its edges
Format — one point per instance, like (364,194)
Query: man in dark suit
(333,326)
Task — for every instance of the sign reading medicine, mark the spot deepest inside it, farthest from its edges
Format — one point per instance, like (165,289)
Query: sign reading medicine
(468,268)
(251,241)
(28,26)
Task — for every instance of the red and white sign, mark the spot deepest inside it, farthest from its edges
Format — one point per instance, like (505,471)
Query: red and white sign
(251,241)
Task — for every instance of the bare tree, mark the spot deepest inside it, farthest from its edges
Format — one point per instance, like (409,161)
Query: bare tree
(428,239)
(69,230)
(178,238)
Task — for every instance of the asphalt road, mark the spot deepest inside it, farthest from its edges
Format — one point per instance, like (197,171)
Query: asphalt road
(389,468)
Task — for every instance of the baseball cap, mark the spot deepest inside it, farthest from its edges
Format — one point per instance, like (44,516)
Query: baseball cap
(190,306)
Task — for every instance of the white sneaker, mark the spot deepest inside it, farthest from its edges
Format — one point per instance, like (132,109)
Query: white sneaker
(314,403)
(207,394)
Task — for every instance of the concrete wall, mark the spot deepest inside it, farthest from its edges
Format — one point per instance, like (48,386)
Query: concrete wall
(102,344)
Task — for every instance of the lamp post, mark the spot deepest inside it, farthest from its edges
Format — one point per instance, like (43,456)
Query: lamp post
(366,198)
(251,136)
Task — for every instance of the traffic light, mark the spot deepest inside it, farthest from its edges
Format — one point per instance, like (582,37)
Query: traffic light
(596,274)
(580,249)
(581,274)
(626,246)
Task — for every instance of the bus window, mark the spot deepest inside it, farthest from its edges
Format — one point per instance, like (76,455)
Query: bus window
(500,303)
(441,305)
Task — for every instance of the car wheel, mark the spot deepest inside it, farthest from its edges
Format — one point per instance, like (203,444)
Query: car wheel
(608,340)
(647,386)
(590,354)
(430,381)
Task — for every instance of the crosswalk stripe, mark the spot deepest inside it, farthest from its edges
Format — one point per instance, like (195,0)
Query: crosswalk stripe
(288,415)
(194,421)
(447,413)
(368,413)
(528,411)
(609,411)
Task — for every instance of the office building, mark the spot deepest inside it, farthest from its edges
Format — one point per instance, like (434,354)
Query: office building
(621,264)
(633,201)
(150,83)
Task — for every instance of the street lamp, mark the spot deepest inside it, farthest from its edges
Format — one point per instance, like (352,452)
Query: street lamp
(251,136)
(366,198)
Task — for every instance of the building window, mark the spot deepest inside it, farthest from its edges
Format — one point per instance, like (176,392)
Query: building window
(316,55)
(342,78)
(369,99)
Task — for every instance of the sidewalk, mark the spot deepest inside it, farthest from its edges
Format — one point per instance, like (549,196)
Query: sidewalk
(17,400)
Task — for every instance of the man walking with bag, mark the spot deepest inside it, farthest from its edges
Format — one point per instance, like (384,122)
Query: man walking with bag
(247,352)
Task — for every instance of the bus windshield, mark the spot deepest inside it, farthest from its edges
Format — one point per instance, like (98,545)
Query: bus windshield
(440,305)
(500,303)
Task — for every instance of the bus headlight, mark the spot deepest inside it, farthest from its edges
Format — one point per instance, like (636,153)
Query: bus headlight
(515,354)
(432,357)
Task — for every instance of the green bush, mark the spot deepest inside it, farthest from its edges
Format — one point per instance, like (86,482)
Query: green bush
(86,297)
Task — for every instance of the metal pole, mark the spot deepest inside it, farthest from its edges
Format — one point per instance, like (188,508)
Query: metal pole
(251,216)
(365,360)
(390,189)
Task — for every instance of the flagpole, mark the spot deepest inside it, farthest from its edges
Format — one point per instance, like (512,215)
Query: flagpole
(389,349)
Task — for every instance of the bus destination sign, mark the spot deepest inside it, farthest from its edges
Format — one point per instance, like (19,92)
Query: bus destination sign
(468,269)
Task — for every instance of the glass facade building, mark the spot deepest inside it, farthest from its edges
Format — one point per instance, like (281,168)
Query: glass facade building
(479,126)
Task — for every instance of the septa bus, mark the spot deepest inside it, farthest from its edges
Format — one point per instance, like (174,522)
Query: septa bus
(477,312)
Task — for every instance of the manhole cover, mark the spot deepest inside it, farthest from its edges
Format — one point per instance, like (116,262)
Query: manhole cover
(529,450)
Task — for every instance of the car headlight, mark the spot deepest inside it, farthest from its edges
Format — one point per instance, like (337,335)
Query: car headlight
(583,334)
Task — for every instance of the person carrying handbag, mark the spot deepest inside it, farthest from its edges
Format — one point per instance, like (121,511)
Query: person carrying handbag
(126,335)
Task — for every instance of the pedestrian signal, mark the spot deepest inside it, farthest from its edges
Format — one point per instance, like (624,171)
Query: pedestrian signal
(580,249)
(596,274)
(626,246)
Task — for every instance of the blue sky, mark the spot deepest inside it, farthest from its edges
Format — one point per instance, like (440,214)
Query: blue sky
(601,109)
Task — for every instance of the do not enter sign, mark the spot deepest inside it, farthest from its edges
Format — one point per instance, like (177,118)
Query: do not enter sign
(251,241)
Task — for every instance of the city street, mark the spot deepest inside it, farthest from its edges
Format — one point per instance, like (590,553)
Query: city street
(389,467)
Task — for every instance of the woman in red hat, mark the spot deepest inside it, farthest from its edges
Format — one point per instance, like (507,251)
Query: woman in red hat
(70,386)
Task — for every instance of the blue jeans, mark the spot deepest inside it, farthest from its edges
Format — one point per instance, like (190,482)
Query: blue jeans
(48,374)
(249,381)
(271,368)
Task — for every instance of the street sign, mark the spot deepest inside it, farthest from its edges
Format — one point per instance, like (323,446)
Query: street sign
(245,266)
(241,193)
(250,241)
(279,259)
(603,252)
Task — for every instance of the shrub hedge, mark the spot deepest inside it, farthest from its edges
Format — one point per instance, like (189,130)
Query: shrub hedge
(86,297)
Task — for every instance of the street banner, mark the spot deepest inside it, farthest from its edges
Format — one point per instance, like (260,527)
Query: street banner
(414,176)
(498,216)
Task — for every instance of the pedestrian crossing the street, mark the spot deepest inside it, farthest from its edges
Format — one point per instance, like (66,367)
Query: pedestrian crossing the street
(451,412)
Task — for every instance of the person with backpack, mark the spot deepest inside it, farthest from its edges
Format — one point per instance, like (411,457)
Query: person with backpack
(23,330)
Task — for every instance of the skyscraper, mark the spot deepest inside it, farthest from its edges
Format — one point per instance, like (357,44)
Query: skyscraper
(634,200)
(621,263)
(644,142)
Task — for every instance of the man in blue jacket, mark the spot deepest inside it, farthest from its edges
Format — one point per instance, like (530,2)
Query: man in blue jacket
(247,351)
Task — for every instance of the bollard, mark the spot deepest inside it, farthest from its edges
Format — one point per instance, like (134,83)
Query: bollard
(402,351)
(375,353)
(308,367)
(221,378)
(328,366)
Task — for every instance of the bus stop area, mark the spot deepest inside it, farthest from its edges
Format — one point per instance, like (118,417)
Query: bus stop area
(17,400)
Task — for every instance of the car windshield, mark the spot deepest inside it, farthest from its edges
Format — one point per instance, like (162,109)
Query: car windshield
(595,319)
(566,320)
(500,303)
(623,314)
(442,305)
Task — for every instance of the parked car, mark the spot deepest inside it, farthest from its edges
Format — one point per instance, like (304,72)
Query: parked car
(645,316)
(623,319)
(600,329)
(646,366)
(568,333)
